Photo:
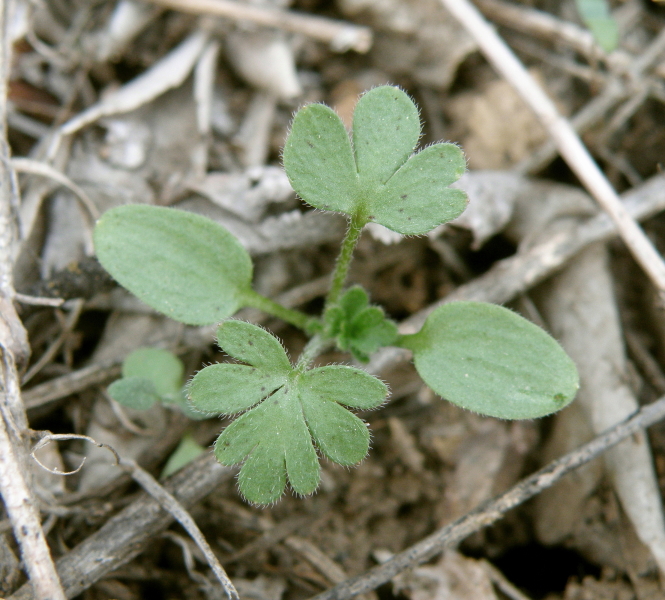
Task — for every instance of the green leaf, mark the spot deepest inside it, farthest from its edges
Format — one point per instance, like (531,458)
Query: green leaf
(287,409)
(319,161)
(597,17)
(228,389)
(358,327)
(340,435)
(253,345)
(487,359)
(185,453)
(386,130)
(135,392)
(275,441)
(346,385)
(161,367)
(417,198)
(380,179)
(183,265)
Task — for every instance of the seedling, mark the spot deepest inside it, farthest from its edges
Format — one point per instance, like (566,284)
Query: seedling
(151,375)
(479,356)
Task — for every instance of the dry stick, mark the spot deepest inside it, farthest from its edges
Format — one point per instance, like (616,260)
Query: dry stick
(126,534)
(566,139)
(16,494)
(18,500)
(55,346)
(491,511)
(73,382)
(340,35)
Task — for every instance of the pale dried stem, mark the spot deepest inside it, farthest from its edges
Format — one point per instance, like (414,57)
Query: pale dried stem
(165,499)
(15,491)
(564,136)
(340,35)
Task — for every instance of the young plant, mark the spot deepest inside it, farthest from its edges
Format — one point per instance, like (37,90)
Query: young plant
(151,375)
(479,356)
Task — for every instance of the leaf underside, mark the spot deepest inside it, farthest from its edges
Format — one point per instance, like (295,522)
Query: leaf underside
(181,264)
(487,359)
(379,178)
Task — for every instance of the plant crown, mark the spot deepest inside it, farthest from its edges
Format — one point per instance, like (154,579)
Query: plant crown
(479,356)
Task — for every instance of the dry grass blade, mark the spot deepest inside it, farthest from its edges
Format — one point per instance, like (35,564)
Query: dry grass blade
(566,139)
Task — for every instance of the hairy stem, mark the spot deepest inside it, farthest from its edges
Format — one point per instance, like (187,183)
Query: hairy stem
(314,347)
(294,317)
(344,259)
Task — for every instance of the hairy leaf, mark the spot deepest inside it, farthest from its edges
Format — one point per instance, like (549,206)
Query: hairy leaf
(380,179)
(228,389)
(183,265)
(288,412)
(253,345)
(490,360)
(359,328)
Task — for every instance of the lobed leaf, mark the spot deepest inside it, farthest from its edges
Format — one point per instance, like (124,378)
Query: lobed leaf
(346,385)
(358,327)
(227,389)
(181,264)
(251,344)
(417,198)
(339,434)
(379,179)
(319,161)
(386,130)
(276,443)
(487,359)
(287,411)
(135,392)
(161,367)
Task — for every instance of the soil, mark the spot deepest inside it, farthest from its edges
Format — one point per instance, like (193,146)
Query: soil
(163,103)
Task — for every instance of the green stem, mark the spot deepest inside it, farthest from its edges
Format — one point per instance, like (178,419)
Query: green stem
(294,317)
(344,259)
(314,347)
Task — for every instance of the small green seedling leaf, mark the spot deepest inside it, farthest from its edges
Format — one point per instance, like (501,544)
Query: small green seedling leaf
(188,449)
(597,17)
(288,411)
(359,328)
(181,264)
(487,359)
(162,368)
(378,179)
(135,392)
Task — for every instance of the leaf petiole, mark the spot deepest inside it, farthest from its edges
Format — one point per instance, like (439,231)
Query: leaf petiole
(356,224)
(253,299)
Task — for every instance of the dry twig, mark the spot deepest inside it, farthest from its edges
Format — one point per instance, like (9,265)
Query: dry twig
(165,499)
(566,139)
(490,512)
(16,494)
(340,35)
